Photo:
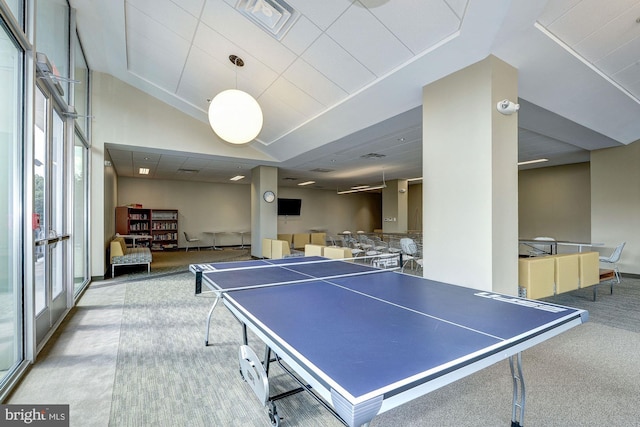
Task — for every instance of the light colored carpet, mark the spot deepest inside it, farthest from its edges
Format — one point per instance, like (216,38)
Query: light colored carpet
(165,376)
(132,354)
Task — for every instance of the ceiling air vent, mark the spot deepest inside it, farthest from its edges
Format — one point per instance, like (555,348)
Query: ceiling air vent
(274,16)
(188,171)
(321,170)
(373,156)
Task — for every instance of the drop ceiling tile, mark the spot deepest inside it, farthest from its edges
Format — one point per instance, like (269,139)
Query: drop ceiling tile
(148,157)
(314,83)
(246,35)
(151,65)
(458,7)
(194,7)
(294,97)
(121,155)
(165,13)
(301,35)
(254,75)
(200,83)
(367,40)
(620,58)
(195,163)
(329,58)
(167,161)
(279,118)
(554,10)
(322,13)
(628,76)
(613,35)
(579,22)
(421,24)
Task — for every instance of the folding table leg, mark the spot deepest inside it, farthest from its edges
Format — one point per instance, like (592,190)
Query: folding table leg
(519,396)
(206,336)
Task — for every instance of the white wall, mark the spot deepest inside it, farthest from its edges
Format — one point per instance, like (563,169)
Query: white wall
(326,210)
(555,202)
(227,207)
(615,202)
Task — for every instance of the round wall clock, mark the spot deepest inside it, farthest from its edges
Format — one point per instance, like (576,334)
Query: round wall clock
(269,196)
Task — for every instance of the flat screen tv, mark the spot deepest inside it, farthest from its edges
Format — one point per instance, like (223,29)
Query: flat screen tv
(289,207)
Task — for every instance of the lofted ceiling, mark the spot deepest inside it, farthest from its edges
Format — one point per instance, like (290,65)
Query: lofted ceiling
(341,89)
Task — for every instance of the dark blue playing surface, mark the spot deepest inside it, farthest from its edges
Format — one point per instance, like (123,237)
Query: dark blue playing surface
(371,332)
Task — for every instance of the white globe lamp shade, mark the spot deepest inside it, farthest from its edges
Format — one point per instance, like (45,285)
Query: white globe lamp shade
(235,116)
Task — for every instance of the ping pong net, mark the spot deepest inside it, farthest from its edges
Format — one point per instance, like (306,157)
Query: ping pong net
(241,275)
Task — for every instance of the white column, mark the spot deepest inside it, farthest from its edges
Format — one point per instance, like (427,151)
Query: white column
(395,202)
(264,215)
(470,185)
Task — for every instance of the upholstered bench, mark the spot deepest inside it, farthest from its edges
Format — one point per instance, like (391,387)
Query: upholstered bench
(536,277)
(121,255)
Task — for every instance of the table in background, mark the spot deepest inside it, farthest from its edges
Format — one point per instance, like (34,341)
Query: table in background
(242,233)
(580,245)
(213,239)
(553,244)
(368,341)
(135,237)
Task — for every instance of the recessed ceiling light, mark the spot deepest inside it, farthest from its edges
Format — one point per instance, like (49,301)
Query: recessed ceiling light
(236,178)
(307,183)
(364,188)
(528,162)
(143,171)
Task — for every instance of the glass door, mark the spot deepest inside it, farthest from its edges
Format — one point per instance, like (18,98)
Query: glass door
(50,238)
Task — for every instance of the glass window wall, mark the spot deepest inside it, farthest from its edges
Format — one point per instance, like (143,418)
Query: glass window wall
(11,120)
(16,8)
(81,88)
(80,214)
(52,36)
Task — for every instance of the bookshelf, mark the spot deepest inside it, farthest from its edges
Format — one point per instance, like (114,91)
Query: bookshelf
(133,221)
(160,224)
(164,229)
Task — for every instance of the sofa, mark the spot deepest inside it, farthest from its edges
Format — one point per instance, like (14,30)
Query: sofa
(122,255)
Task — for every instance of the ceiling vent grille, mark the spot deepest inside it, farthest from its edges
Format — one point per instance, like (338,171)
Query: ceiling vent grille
(188,171)
(321,170)
(274,16)
(373,156)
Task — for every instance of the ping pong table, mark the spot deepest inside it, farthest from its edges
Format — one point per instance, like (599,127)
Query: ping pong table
(363,340)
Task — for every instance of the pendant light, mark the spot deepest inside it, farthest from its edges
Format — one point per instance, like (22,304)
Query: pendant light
(234,115)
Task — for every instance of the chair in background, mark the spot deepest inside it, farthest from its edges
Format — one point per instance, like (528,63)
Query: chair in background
(353,245)
(394,245)
(368,246)
(542,249)
(190,240)
(300,240)
(612,260)
(379,244)
(410,253)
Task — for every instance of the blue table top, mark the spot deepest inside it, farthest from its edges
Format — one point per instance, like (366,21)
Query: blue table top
(379,334)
